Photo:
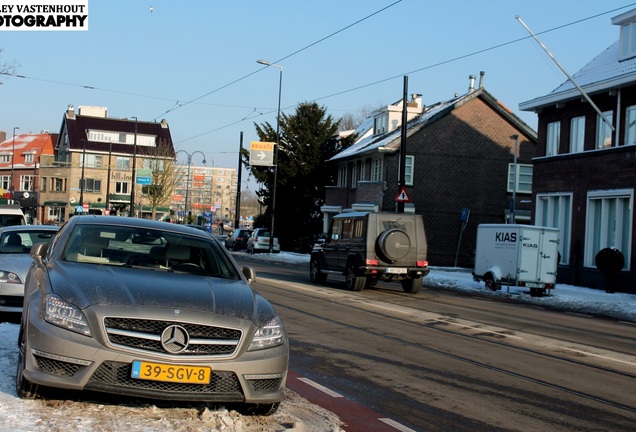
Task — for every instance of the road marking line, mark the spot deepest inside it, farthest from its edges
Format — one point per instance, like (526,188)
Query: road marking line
(320,387)
(396,425)
(600,356)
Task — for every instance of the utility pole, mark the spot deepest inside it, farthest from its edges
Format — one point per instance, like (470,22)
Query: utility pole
(402,179)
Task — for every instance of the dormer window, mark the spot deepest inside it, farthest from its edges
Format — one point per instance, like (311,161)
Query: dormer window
(627,21)
(628,41)
(380,124)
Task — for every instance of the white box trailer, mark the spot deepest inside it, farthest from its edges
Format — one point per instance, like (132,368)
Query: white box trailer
(519,255)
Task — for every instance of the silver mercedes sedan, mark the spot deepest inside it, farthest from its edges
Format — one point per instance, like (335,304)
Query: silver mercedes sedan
(148,309)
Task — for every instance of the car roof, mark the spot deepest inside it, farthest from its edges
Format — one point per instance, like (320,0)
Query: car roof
(133,222)
(23,228)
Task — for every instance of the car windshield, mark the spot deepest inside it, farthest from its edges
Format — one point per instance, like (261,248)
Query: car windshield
(147,249)
(21,241)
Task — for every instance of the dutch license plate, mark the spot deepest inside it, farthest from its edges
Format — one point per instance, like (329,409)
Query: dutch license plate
(170,373)
(534,285)
(396,270)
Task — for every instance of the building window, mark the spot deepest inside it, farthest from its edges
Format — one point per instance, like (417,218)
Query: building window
(28,157)
(408,170)
(521,177)
(342,176)
(5,182)
(552,139)
(121,187)
(123,163)
(380,124)
(603,131)
(577,135)
(609,215)
(361,171)
(628,40)
(91,185)
(26,182)
(376,169)
(93,161)
(58,184)
(555,211)
(5,158)
(43,184)
(354,175)
(630,126)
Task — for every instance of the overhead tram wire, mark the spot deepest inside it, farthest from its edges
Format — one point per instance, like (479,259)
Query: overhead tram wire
(400,76)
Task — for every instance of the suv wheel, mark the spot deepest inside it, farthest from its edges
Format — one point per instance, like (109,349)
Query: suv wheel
(393,245)
(412,286)
(354,282)
(315,274)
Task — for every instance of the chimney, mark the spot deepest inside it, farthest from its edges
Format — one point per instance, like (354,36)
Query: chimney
(416,100)
(481,79)
(3,136)
(70,112)
(471,83)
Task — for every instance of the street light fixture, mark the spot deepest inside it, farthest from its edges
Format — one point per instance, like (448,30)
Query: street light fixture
(189,155)
(280,87)
(11,188)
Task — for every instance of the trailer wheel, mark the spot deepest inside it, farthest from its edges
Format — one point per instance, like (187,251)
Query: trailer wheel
(489,280)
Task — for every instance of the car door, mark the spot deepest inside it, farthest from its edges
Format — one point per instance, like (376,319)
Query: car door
(331,245)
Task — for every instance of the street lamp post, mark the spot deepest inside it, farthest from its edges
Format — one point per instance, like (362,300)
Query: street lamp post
(280,87)
(134,173)
(110,154)
(83,180)
(189,155)
(11,188)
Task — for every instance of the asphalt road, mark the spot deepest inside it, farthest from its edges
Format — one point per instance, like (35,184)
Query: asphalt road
(447,361)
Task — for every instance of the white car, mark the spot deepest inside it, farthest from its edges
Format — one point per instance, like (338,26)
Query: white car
(259,242)
(15,260)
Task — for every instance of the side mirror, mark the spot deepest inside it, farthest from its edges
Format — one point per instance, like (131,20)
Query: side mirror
(249,274)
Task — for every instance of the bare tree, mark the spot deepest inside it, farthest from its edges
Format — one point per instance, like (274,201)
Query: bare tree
(351,121)
(7,67)
(164,177)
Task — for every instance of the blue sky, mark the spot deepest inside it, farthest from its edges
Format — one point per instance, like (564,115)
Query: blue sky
(151,64)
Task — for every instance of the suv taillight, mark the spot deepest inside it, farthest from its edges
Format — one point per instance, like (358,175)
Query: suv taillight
(372,262)
(421,263)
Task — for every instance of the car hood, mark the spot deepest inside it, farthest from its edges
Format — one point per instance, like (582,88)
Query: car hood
(16,263)
(86,285)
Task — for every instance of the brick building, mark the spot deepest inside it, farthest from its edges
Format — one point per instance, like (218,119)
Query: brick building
(585,169)
(460,155)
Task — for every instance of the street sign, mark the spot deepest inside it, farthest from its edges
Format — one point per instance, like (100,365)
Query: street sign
(403,196)
(262,153)
(144,177)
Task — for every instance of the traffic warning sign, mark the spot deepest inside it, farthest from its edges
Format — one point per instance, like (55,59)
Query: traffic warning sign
(403,196)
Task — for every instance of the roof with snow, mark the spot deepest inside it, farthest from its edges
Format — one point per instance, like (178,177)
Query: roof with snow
(36,144)
(602,73)
(390,141)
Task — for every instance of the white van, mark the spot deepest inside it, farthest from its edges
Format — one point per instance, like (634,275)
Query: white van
(11,215)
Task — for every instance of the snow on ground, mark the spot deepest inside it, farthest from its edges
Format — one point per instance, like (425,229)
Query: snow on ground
(295,414)
(565,297)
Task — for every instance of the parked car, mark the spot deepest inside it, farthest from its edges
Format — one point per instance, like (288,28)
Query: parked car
(15,260)
(136,307)
(238,239)
(11,215)
(367,247)
(259,242)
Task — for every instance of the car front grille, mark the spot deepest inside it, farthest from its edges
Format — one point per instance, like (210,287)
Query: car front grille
(146,335)
(111,375)
(266,385)
(56,367)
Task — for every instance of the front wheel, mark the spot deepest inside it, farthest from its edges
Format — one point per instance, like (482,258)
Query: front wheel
(354,282)
(315,274)
(24,388)
(489,280)
(412,286)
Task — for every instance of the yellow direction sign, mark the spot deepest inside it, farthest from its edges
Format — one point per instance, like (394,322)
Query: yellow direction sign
(262,153)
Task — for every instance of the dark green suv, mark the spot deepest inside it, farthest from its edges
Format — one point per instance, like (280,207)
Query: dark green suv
(367,247)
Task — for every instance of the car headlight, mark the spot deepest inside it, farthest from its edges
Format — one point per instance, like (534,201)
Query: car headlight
(268,335)
(9,277)
(63,314)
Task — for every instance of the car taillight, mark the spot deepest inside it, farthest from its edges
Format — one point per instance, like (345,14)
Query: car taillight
(373,262)
(421,263)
